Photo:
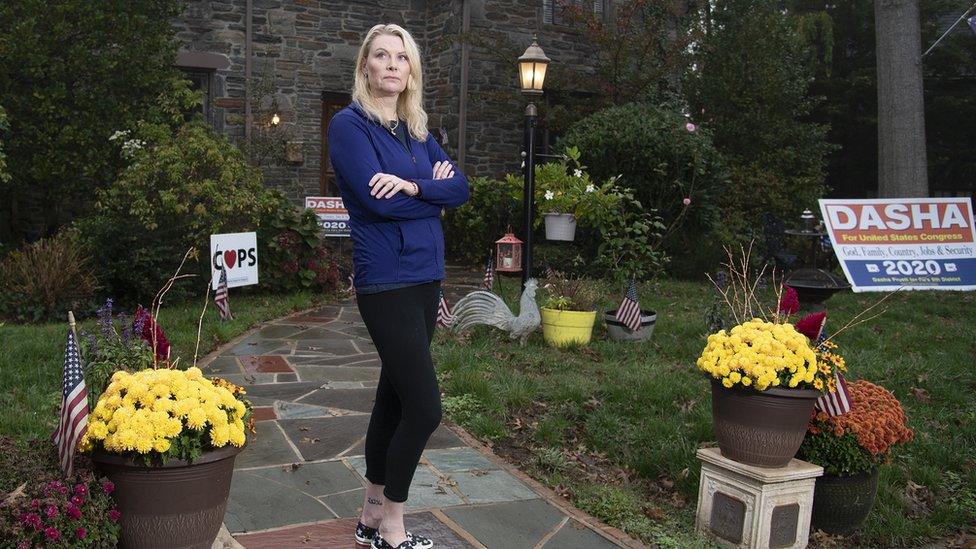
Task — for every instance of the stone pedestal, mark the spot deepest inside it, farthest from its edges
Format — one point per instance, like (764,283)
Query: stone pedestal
(741,505)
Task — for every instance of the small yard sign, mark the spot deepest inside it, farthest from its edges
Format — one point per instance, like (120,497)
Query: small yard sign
(236,252)
(918,243)
(333,216)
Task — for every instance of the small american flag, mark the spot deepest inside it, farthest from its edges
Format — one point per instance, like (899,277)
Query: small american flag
(221,298)
(629,312)
(489,281)
(74,407)
(444,316)
(837,403)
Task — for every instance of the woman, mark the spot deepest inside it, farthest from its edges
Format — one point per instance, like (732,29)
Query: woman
(394,179)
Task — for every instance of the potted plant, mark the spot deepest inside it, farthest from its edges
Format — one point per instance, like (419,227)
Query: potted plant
(765,377)
(167,439)
(565,194)
(569,311)
(630,238)
(850,448)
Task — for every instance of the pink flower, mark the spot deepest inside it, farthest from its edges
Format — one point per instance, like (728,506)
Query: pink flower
(31,519)
(35,504)
(51,511)
(80,533)
(81,490)
(686,201)
(77,500)
(74,513)
(691,127)
(108,487)
(52,533)
(114,515)
(24,545)
(790,302)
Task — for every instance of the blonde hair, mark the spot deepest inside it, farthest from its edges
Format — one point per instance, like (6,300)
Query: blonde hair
(409,103)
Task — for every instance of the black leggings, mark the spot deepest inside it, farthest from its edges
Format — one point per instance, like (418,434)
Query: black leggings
(408,402)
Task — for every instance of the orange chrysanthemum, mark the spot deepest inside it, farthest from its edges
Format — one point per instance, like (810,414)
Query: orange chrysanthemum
(876,419)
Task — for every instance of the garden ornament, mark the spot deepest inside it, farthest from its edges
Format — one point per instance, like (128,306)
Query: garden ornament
(481,307)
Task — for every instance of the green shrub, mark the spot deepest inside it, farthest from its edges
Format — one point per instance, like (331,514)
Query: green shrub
(663,162)
(44,280)
(180,187)
(71,73)
(293,254)
(471,230)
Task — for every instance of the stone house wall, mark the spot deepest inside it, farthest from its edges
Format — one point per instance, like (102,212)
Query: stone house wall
(302,48)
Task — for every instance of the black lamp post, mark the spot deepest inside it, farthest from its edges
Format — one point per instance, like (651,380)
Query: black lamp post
(532,74)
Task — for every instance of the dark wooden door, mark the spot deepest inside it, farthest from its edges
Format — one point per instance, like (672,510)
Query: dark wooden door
(332,102)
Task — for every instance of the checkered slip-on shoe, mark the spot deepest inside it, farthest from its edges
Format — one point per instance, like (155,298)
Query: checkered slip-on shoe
(364,534)
(413,541)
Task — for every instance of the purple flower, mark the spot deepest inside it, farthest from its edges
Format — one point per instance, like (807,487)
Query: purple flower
(108,487)
(35,504)
(74,513)
(721,279)
(114,515)
(105,318)
(77,500)
(690,127)
(80,533)
(126,329)
(51,511)
(52,533)
(81,490)
(31,519)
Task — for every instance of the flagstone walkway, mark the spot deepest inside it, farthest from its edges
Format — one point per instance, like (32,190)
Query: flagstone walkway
(299,482)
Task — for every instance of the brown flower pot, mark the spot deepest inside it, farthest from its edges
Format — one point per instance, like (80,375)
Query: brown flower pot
(761,428)
(177,505)
(842,504)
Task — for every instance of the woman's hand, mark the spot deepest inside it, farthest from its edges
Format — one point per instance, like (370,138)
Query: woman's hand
(443,170)
(384,185)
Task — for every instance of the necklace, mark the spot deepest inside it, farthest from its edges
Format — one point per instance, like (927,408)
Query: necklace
(392,127)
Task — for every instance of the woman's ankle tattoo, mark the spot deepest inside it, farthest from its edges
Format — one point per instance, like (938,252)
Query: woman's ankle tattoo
(372,501)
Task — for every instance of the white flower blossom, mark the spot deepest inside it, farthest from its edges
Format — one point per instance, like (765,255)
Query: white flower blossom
(590,188)
(550,195)
(130,146)
(119,134)
(578,172)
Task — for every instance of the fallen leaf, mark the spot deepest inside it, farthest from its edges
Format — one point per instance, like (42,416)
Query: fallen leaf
(592,403)
(303,429)
(654,513)
(478,472)
(921,394)
(687,405)
(12,497)
(306,538)
(310,440)
(683,474)
(290,467)
(918,499)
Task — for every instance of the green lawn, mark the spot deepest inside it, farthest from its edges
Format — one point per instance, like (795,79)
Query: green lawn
(615,425)
(31,355)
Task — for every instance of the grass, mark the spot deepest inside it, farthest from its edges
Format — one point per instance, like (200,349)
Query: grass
(615,425)
(31,355)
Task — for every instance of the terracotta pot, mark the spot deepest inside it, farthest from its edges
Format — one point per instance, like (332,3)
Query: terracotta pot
(761,428)
(842,504)
(177,505)
(619,332)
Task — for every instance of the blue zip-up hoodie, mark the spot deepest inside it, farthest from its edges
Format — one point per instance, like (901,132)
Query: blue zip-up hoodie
(398,239)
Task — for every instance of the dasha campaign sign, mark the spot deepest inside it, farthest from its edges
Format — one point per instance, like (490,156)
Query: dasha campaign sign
(332,214)
(236,252)
(916,243)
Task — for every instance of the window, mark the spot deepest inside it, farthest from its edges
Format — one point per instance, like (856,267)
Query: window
(202,80)
(554,12)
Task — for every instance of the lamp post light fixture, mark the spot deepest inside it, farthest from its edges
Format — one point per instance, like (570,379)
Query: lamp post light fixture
(532,75)
(275,119)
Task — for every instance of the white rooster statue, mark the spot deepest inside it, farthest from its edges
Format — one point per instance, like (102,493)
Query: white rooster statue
(481,307)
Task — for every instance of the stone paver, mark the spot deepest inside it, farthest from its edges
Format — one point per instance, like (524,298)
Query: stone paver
(299,482)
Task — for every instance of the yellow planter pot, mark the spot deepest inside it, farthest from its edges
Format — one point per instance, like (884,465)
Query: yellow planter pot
(561,328)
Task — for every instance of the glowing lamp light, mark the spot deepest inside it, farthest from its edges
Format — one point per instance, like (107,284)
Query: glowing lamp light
(532,69)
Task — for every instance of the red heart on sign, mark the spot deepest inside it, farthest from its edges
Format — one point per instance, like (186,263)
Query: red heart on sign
(230,256)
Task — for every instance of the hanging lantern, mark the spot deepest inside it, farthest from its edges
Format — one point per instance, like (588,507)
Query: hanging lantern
(508,253)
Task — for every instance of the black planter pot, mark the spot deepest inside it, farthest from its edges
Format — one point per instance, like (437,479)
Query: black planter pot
(842,504)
